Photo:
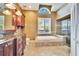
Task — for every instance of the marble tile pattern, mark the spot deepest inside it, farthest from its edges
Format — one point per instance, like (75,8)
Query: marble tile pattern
(32,50)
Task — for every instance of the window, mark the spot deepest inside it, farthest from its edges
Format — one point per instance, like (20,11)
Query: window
(44,10)
(63,27)
(1,22)
(44,25)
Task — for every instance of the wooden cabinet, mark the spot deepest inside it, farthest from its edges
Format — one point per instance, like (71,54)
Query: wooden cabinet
(8,48)
(13,46)
(20,21)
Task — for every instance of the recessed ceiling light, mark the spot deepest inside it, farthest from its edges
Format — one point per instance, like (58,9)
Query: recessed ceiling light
(30,6)
(11,6)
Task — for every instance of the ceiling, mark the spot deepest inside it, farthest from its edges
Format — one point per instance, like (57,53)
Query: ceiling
(2,7)
(35,6)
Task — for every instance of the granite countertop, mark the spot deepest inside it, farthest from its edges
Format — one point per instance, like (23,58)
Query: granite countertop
(6,38)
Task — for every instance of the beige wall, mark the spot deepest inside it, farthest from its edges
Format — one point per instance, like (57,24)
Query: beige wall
(54,17)
(31,23)
(8,22)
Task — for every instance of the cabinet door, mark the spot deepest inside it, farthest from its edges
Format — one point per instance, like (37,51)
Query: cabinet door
(8,49)
(20,21)
(1,49)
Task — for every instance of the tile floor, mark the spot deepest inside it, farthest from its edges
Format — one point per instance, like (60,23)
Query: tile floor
(32,50)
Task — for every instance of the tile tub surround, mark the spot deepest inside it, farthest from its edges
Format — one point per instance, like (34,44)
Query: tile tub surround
(45,38)
(49,41)
(32,50)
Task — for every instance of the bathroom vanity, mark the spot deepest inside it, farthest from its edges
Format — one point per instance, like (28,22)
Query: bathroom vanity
(6,47)
(12,46)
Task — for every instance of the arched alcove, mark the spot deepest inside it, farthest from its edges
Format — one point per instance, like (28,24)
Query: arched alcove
(44,21)
(44,10)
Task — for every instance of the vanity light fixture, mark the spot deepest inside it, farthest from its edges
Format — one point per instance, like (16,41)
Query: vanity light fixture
(7,12)
(18,13)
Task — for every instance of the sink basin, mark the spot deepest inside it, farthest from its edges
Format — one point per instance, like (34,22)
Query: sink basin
(2,41)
